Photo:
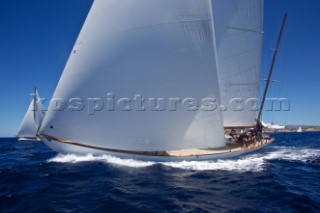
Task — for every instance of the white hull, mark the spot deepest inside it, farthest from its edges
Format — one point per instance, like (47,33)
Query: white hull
(209,154)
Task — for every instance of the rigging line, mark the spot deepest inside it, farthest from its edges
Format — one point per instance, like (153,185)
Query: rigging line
(243,84)
(35,104)
(245,29)
(247,51)
(104,36)
(271,68)
(271,51)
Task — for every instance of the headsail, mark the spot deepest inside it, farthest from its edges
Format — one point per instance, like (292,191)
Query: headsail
(32,119)
(239,34)
(156,48)
(38,110)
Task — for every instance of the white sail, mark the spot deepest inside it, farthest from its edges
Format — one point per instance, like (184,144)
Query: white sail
(239,34)
(32,119)
(38,110)
(27,127)
(156,48)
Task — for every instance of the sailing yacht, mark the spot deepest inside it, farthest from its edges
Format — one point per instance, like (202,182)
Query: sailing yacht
(32,120)
(273,126)
(158,50)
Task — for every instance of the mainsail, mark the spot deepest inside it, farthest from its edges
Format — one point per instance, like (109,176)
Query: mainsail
(155,48)
(32,119)
(239,34)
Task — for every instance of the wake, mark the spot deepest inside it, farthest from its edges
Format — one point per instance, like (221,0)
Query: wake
(254,162)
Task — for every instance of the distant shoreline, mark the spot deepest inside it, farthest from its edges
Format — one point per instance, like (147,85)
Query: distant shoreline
(294,129)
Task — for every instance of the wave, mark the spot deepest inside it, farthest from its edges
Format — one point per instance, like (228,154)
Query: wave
(72,158)
(254,162)
(293,154)
(247,164)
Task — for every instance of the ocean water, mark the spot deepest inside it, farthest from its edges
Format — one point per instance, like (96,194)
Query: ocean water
(282,177)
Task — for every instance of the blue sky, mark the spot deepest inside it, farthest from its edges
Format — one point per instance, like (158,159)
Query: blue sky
(37,36)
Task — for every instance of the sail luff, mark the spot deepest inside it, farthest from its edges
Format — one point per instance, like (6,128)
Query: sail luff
(38,110)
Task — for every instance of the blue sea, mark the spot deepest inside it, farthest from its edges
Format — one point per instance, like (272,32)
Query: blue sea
(282,177)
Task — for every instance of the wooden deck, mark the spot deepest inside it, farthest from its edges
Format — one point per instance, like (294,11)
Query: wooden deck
(173,154)
(212,151)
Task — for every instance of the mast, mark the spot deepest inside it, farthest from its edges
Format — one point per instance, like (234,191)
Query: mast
(35,102)
(271,68)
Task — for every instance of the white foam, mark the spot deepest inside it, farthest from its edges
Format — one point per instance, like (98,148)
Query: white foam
(246,164)
(293,154)
(72,158)
(255,162)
